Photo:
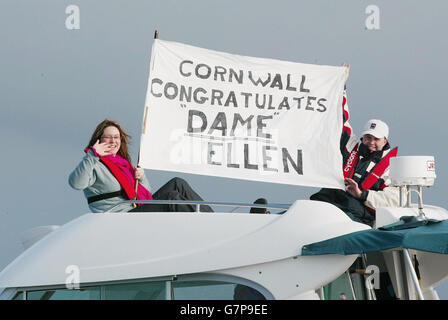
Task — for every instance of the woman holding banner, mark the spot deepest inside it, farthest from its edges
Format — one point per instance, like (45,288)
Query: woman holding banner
(107,177)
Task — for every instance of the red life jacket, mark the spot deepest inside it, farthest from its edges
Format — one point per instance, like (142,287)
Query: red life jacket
(121,178)
(352,161)
(378,170)
(375,174)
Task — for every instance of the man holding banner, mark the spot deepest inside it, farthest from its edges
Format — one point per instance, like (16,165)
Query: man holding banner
(366,169)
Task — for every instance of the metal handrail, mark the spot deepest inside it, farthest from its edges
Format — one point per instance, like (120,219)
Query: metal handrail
(210,203)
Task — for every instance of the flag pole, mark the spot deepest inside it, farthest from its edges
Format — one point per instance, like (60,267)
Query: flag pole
(156,36)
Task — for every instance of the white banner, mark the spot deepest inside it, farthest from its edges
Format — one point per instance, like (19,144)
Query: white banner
(218,114)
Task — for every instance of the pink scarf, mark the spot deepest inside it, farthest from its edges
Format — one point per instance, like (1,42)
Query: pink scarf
(128,171)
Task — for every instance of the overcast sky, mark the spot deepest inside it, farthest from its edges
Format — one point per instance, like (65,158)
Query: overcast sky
(57,84)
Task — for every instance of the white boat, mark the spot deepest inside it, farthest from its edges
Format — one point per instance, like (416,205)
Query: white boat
(220,255)
(228,254)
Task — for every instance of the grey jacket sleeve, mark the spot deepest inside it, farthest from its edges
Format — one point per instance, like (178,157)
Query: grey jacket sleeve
(84,176)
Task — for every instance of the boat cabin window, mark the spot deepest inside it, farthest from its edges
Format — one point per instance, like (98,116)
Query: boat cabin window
(88,293)
(214,290)
(150,290)
(153,290)
(18,296)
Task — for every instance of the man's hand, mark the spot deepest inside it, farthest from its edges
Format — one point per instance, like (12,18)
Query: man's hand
(347,70)
(353,188)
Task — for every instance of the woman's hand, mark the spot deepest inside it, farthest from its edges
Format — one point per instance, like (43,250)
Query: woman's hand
(353,188)
(103,149)
(138,173)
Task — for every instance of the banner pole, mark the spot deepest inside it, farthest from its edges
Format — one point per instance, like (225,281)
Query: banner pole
(156,36)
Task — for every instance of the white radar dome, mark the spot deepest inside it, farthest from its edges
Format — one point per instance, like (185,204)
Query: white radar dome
(412,171)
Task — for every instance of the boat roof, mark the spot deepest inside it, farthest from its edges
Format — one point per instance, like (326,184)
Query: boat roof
(120,246)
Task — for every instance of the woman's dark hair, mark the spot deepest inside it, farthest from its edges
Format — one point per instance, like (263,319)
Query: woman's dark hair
(124,137)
